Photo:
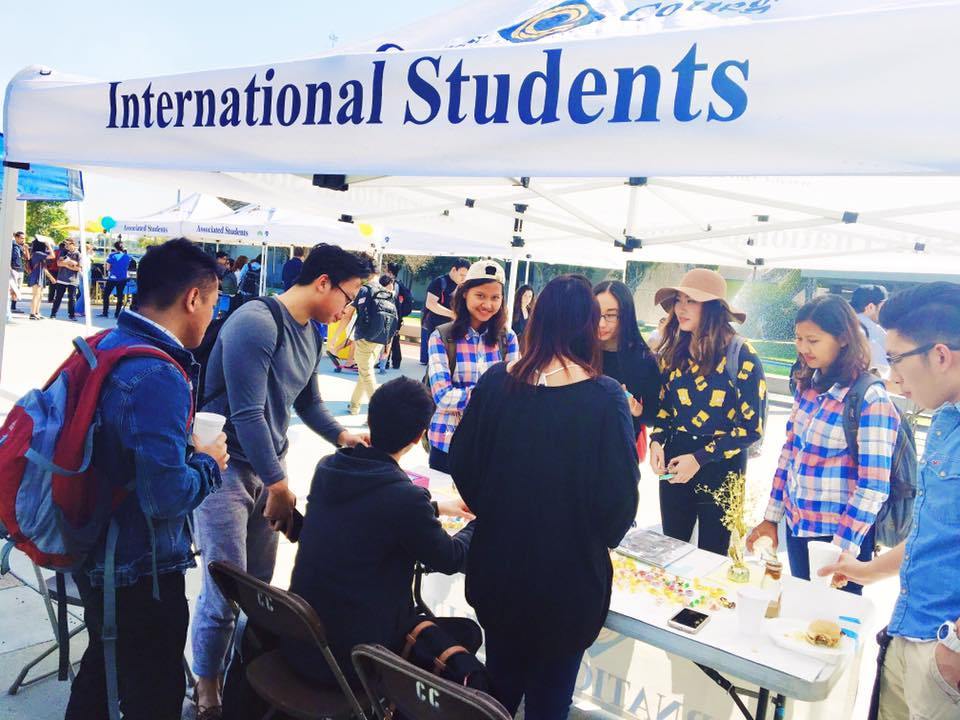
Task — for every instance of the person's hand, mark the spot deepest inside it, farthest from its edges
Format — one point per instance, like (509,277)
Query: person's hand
(948,665)
(683,468)
(279,508)
(455,507)
(766,529)
(656,458)
(848,569)
(636,406)
(217,450)
(349,439)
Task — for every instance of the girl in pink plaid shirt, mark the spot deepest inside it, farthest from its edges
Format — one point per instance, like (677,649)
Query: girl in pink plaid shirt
(824,491)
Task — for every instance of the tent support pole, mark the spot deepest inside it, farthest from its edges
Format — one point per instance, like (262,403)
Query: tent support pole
(512,291)
(12,218)
(583,217)
(85,268)
(526,275)
(263,269)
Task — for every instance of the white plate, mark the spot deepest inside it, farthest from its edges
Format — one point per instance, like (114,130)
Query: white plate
(789,634)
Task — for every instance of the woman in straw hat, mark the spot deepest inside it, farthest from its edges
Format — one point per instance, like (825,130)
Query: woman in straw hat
(709,414)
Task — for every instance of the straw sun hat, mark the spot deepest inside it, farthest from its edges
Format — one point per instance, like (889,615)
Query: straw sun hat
(702,285)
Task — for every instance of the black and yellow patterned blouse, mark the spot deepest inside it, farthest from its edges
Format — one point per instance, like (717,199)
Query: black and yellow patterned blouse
(713,406)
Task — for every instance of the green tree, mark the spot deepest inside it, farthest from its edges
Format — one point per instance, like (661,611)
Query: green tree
(47,218)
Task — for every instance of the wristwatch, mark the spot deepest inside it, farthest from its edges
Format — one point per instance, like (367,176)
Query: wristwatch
(947,636)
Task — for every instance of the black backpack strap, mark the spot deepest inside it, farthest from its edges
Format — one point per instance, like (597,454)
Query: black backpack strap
(852,404)
(274,306)
(450,345)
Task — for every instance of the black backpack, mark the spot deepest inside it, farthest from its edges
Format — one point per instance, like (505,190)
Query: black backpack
(377,319)
(250,285)
(895,518)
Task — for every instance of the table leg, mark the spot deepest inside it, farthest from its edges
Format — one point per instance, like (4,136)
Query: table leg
(730,688)
(763,700)
(780,707)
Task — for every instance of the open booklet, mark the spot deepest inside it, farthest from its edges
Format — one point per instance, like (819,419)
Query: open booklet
(653,548)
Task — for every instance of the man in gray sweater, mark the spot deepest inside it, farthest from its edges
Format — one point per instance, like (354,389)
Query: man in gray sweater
(254,378)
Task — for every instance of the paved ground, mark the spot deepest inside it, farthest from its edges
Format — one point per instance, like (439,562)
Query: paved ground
(35,348)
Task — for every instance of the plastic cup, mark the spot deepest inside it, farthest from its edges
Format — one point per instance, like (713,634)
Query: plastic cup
(822,554)
(752,603)
(206,427)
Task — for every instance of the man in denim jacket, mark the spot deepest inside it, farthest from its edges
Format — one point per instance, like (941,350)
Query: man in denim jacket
(144,408)
(921,669)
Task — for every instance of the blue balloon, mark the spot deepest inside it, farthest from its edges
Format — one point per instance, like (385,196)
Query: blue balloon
(108,223)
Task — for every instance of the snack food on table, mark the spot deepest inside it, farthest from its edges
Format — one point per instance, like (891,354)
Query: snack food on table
(823,633)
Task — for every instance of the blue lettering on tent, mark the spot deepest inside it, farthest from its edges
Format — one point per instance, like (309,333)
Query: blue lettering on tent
(442,90)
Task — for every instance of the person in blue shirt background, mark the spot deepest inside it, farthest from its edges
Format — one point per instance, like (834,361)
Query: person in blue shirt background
(920,649)
(116,277)
(291,269)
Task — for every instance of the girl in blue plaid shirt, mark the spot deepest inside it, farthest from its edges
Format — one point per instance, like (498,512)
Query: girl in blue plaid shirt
(477,339)
(824,491)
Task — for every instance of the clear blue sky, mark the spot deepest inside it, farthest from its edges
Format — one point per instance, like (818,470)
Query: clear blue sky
(134,38)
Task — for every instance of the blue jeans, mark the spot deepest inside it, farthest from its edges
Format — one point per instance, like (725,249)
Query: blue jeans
(800,559)
(230,526)
(547,682)
(425,333)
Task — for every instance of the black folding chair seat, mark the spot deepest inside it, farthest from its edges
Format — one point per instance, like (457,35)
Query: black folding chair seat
(417,694)
(288,616)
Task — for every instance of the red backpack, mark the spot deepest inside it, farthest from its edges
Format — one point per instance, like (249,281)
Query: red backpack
(53,505)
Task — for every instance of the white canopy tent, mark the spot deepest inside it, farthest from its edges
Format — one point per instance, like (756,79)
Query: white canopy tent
(169,221)
(577,125)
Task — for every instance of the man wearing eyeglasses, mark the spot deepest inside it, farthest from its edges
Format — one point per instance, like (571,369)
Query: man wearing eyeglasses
(263,362)
(920,674)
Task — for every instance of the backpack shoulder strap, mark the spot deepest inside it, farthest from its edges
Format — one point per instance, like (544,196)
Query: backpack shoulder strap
(277,312)
(733,358)
(852,404)
(449,344)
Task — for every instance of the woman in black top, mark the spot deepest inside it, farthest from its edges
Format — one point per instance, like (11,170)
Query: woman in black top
(709,415)
(626,357)
(545,457)
(522,307)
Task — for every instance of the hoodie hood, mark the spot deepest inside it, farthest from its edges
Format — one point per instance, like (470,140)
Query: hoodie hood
(351,472)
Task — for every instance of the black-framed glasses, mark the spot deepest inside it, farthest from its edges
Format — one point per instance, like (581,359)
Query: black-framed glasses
(610,318)
(922,350)
(345,293)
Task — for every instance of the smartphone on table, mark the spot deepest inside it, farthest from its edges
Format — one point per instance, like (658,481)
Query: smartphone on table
(689,621)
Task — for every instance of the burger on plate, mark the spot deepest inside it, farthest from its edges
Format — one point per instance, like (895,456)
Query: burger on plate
(824,633)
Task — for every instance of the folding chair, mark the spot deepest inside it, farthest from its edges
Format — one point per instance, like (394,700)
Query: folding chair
(60,589)
(391,682)
(286,616)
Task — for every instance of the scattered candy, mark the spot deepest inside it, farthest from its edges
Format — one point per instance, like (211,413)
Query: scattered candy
(632,576)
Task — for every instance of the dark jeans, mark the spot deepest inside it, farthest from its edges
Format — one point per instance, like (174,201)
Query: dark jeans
(800,559)
(151,636)
(120,285)
(58,292)
(395,353)
(425,333)
(546,682)
(682,506)
(439,460)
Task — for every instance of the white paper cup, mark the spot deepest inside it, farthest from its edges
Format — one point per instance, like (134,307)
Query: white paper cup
(206,426)
(752,603)
(822,554)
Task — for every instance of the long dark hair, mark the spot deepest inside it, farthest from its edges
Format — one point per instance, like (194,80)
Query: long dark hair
(492,330)
(563,326)
(713,337)
(518,301)
(240,262)
(630,342)
(835,316)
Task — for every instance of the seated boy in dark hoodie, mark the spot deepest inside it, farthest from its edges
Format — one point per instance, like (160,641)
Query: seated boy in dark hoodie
(366,526)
